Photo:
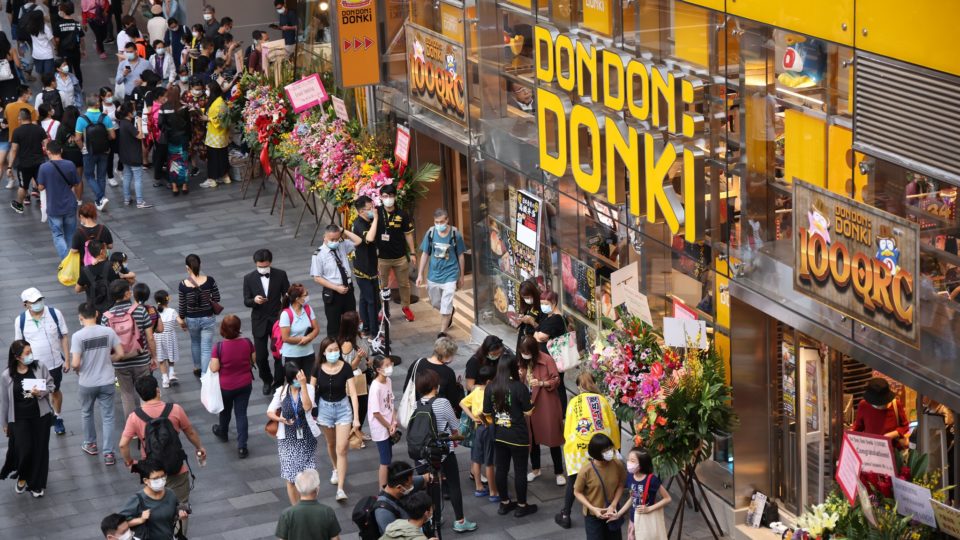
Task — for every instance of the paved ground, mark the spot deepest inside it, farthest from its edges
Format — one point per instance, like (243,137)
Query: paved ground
(232,499)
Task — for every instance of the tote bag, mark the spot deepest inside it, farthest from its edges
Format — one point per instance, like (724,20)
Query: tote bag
(564,351)
(408,402)
(649,526)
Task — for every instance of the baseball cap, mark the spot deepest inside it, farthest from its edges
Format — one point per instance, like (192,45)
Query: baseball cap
(31,295)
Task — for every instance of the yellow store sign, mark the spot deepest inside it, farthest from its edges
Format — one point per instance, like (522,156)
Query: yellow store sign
(598,16)
(570,135)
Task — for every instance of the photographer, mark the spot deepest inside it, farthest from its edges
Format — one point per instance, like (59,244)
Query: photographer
(428,385)
(401,483)
(419,512)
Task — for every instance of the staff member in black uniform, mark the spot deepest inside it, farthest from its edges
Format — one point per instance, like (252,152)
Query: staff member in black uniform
(395,243)
(262,292)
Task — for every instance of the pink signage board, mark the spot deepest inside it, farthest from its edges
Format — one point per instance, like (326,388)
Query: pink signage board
(402,150)
(306,93)
(848,470)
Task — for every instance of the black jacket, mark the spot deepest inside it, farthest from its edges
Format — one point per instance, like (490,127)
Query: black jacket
(262,316)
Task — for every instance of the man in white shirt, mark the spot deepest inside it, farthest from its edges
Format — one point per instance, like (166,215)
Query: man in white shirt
(157,25)
(45,329)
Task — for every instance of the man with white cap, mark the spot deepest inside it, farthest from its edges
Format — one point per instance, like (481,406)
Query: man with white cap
(45,329)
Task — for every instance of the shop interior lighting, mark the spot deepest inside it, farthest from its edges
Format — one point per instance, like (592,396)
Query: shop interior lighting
(866,165)
(324,6)
(797,95)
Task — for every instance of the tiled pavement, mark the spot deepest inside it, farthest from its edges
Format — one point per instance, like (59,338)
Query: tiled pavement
(232,499)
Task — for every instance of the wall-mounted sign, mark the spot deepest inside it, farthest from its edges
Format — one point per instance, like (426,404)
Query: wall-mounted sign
(436,66)
(306,93)
(858,260)
(579,288)
(598,148)
(528,231)
(598,15)
(451,22)
(357,49)
(401,150)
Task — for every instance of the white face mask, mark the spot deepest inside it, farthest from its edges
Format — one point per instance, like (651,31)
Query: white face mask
(632,468)
(389,202)
(207,17)
(546,308)
(528,300)
(388,371)
(126,536)
(161,52)
(263,269)
(306,299)
(608,455)
(526,357)
(407,491)
(131,55)
(156,484)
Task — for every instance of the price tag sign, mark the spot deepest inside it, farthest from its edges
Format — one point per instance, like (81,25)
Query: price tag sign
(340,108)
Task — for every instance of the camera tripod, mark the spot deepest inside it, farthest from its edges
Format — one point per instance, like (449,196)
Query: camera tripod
(380,344)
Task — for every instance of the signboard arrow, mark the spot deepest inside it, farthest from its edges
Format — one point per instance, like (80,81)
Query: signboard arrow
(367,42)
(357,43)
(346,44)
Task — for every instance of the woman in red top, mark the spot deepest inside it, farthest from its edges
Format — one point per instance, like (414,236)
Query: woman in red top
(233,358)
(879,413)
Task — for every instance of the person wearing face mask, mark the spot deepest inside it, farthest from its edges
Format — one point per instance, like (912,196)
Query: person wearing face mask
(298,328)
(254,56)
(539,370)
(95,15)
(173,40)
(642,507)
(116,527)
(337,406)
(599,487)
(365,259)
(163,64)
(400,484)
(552,325)
(233,359)
(297,430)
(26,413)
(128,31)
(489,354)
(210,22)
(287,23)
(589,413)
(68,38)
(395,244)
(130,69)
(356,355)
(419,508)
(506,403)
(330,267)
(308,518)
(443,250)
(67,83)
(153,511)
(381,414)
(45,329)
(444,351)
(528,310)
(263,290)
(881,413)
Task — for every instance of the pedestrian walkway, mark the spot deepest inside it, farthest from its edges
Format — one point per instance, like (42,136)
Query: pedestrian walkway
(233,499)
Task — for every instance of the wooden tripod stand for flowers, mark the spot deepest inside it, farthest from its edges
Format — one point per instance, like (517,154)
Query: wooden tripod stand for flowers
(691,482)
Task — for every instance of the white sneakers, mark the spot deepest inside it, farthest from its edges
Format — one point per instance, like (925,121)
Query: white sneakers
(9,183)
(334,478)
(531,476)
(102,204)
(561,480)
(341,495)
(113,182)
(209,183)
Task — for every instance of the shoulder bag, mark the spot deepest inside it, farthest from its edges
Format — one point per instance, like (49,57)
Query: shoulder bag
(564,351)
(616,524)
(214,305)
(649,526)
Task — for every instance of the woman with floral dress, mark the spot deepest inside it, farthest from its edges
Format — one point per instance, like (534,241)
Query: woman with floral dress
(196,102)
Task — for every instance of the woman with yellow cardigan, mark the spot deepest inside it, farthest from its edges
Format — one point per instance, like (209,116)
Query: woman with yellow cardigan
(217,139)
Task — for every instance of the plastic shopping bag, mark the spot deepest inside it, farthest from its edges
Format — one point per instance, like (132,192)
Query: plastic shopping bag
(210,392)
(69,270)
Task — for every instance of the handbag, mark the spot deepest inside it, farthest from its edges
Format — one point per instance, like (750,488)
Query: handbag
(272,427)
(395,438)
(564,351)
(214,305)
(649,526)
(356,440)
(468,428)
(408,401)
(6,72)
(616,524)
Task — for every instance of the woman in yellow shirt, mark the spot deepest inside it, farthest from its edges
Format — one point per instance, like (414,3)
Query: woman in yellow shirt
(217,138)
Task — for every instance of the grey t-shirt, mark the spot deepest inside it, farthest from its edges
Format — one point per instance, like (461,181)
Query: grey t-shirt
(94,344)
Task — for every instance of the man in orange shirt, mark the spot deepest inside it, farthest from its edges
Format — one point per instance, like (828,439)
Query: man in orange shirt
(12,111)
(136,426)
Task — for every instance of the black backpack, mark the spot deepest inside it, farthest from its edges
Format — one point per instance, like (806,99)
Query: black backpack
(95,135)
(422,431)
(30,23)
(364,517)
(51,98)
(162,440)
(98,291)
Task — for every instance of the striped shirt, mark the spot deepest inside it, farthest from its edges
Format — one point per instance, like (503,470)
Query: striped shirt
(447,420)
(195,301)
(142,318)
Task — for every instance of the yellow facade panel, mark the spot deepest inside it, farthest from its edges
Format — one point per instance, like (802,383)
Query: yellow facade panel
(921,32)
(826,19)
(805,151)
(692,34)
(718,5)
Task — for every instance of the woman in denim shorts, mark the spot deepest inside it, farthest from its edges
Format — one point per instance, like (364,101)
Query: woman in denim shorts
(338,410)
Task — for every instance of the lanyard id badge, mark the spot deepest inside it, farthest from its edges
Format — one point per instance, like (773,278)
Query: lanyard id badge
(299,433)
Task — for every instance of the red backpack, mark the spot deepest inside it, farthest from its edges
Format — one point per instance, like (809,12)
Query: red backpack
(278,337)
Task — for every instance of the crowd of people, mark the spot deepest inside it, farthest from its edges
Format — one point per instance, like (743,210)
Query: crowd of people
(328,378)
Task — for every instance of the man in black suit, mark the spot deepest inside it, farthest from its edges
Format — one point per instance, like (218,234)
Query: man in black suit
(262,290)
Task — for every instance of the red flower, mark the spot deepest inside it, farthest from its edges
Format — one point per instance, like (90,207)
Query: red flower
(400,184)
(656,370)
(904,473)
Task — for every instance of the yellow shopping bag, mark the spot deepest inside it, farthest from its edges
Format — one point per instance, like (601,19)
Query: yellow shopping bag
(69,271)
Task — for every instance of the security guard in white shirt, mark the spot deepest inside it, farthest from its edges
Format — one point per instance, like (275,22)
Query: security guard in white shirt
(330,267)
